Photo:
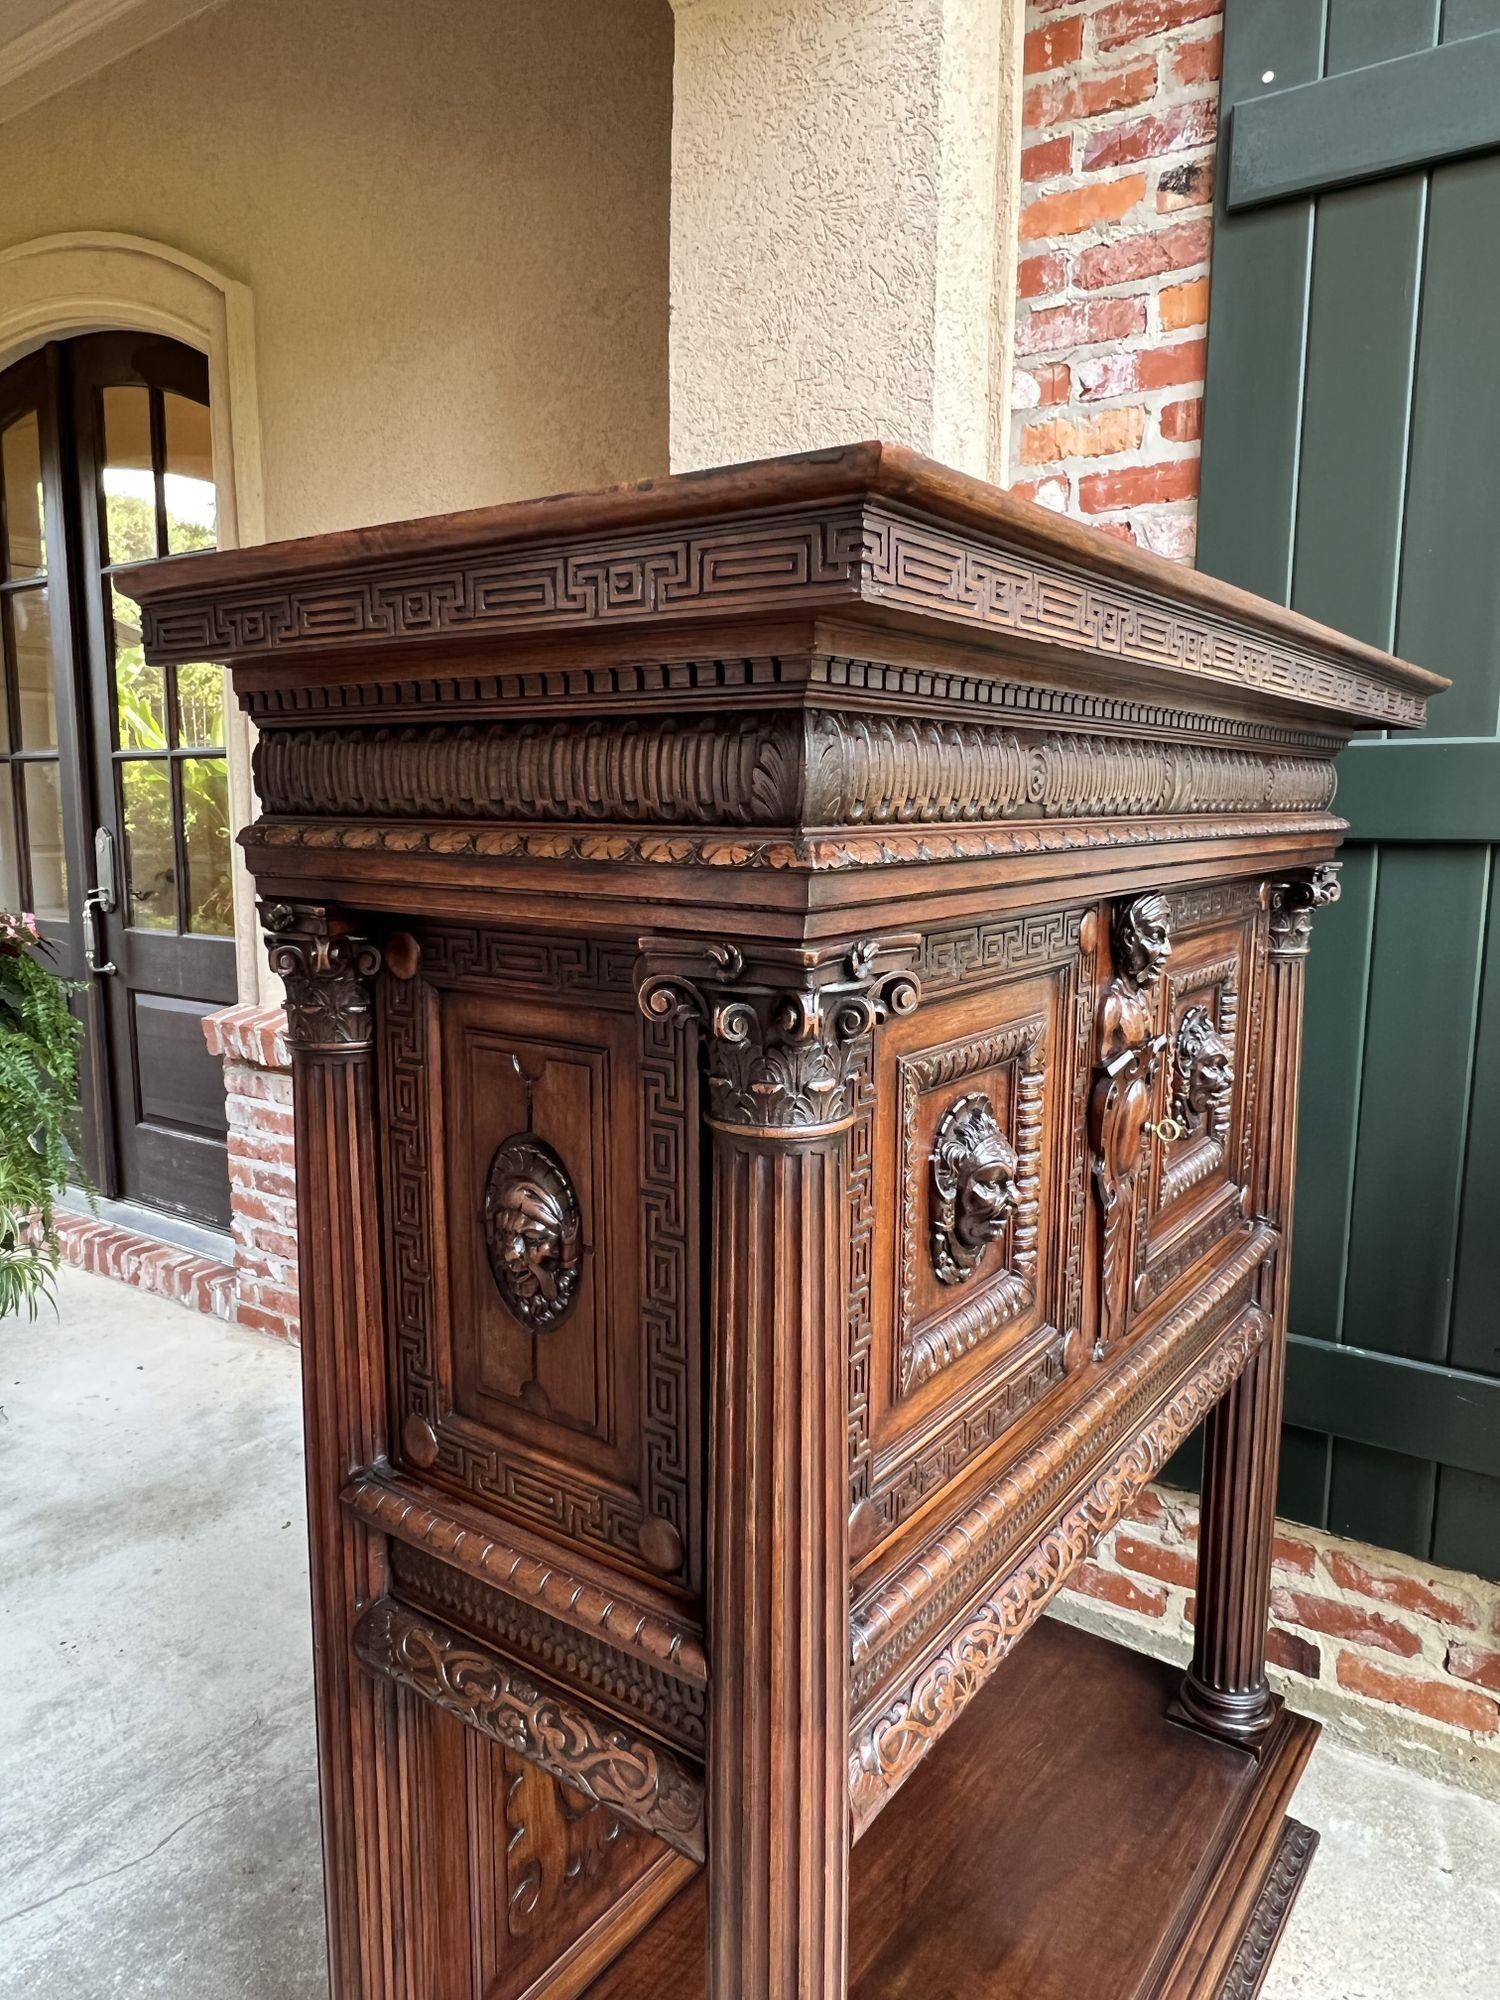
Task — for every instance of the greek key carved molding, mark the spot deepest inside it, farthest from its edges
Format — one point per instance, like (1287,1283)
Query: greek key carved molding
(784,1032)
(819,770)
(1291,905)
(844,556)
(888,1749)
(327,976)
(641,1780)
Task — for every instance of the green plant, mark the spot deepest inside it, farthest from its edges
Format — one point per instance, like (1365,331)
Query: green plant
(39,1041)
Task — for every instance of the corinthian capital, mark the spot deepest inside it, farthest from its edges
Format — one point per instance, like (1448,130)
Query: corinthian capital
(1291,905)
(785,1027)
(326,972)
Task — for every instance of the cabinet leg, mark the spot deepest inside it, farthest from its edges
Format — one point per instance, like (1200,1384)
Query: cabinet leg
(345,1419)
(1225,1690)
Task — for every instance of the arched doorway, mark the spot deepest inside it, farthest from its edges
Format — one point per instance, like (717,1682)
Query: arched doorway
(114,795)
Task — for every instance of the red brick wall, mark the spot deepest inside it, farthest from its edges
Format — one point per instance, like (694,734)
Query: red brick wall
(262,1176)
(1119,116)
(1378,1631)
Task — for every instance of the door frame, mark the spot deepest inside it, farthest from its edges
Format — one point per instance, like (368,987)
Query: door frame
(98,281)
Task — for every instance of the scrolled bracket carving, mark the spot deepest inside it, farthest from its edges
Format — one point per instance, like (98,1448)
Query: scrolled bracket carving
(533,1232)
(1202,1075)
(326,972)
(784,1031)
(1126,1060)
(974,1168)
(1291,905)
(615,1766)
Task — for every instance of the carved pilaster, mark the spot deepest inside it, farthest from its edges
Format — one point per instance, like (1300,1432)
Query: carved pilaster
(784,1035)
(329,1021)
(1225,1691)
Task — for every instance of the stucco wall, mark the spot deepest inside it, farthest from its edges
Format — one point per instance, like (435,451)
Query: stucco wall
(841,259)
(453,219)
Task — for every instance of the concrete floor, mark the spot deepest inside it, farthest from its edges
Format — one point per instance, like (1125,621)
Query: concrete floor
(158,1812)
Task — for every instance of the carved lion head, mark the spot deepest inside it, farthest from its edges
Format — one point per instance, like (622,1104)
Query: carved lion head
(1203,1071)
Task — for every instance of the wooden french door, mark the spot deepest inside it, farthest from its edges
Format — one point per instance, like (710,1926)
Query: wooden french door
(114,794)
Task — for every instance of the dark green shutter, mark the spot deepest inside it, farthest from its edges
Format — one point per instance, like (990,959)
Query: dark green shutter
(1351,468)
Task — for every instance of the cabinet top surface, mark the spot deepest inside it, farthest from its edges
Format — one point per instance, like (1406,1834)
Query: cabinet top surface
(871,538)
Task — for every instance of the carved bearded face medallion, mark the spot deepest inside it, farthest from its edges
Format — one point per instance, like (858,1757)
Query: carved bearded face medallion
(1203,1073)
(973,1186)
(533,1232)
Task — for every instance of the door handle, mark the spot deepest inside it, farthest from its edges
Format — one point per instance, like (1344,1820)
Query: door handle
(98,902)
(93,943)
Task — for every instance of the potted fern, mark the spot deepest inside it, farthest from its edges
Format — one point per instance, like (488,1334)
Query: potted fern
(39,1041)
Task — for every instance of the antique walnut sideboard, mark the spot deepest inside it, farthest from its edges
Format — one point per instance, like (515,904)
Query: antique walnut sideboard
(794,976)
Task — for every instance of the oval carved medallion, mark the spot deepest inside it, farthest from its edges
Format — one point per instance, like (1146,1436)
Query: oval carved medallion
(533,1232)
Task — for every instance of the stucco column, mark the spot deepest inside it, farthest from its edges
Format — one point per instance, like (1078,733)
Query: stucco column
(843,215)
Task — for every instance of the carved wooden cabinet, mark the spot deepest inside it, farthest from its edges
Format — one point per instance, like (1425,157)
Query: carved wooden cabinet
(795,978)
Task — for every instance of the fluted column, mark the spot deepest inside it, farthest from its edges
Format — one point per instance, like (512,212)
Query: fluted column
(784,1035)
(330,1027)
(1225,1690)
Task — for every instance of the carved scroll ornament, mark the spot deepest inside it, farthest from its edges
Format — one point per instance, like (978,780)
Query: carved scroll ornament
(1291,905)
(533,1232)
(784,1032)
(1128,1054)
(326,973)
(974,1169)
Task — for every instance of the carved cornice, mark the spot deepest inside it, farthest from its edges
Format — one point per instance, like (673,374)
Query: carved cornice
(892,1620)
(327,976)
(609,1612)
(785,1031)
(614,1766)
(857,556)
(888,1749)
(1291,905)
(811,854)
(822,769)
(653,685)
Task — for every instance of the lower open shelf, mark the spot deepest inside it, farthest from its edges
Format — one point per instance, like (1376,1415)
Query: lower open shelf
(1064,1841)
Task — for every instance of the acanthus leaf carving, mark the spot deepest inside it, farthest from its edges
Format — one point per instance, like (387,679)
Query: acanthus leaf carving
(1291,905)
(784,1033)
(326,972)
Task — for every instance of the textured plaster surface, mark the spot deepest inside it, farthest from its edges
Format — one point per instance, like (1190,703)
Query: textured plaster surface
(158,1794)
(158,1810)
(840,194)
(453,219)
